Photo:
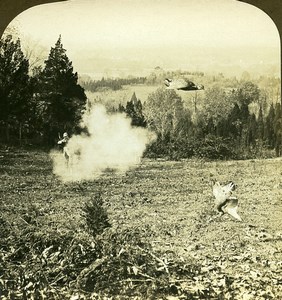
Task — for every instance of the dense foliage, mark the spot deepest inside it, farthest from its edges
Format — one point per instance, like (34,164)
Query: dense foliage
(42,104)
(224,128)
(15,88)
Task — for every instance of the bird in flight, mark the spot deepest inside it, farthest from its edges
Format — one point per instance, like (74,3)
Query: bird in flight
(182,84)
(224,201)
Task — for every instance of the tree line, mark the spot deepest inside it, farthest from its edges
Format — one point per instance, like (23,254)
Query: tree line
(110,83)
(227,126)
(39,103)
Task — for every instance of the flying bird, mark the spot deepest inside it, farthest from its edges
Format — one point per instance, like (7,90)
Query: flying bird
(224,201)
(182,84)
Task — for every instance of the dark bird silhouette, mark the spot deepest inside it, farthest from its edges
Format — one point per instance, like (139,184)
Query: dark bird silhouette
(182,84)
(224,202)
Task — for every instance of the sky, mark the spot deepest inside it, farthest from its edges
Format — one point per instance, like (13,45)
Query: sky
(139,34)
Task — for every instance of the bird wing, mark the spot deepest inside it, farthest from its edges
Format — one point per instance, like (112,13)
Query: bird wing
(182,84)
(232,207)
(179,83)
(222,193)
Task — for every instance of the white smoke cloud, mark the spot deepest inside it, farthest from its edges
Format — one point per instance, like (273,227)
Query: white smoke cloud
(111,143)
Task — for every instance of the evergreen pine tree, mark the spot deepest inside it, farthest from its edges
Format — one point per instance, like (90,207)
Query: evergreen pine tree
(15,88)
(130,111)
(251,132)
(260,125)
(134,99)
(63,99)
(134,111)
(269,127)
(234,122)
(140,119)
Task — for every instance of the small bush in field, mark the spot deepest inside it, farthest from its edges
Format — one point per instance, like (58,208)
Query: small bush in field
(96,215)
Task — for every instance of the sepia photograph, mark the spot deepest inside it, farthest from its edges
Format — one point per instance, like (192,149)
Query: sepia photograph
(140,150)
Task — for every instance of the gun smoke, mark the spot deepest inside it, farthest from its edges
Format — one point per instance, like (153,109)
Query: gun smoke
(110,143)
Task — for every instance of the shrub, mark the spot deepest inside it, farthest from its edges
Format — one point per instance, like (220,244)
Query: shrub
(210,147)
(158,149)
(96,215)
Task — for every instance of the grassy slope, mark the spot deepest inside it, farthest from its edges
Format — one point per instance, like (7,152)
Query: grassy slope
(172,199)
